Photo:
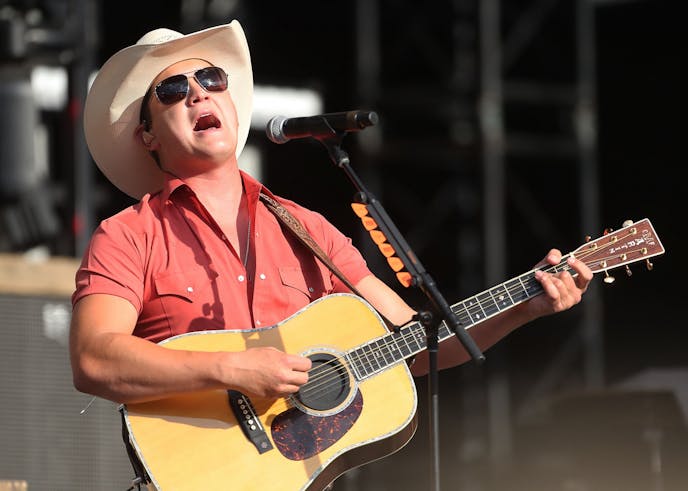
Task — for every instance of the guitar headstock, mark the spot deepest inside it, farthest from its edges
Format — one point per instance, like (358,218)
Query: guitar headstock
(634,242)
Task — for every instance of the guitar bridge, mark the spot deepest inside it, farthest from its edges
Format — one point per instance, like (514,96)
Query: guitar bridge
(248,420)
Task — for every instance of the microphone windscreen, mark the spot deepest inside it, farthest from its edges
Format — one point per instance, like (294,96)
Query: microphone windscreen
(275,130)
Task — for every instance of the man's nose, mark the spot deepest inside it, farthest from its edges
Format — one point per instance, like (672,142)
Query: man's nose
(196,90)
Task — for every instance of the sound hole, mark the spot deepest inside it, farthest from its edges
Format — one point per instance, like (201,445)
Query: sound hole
(328,383)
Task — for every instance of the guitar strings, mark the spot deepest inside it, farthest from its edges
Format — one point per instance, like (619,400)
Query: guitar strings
(475,311)
(320,383)
(324,376)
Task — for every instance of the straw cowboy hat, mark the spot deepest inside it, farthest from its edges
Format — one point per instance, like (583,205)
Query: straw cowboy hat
(113,104)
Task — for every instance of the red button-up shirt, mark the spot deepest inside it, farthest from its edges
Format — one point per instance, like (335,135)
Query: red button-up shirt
(168,257)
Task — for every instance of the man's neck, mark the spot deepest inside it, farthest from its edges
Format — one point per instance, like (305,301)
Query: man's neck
(219,191)
(222,194)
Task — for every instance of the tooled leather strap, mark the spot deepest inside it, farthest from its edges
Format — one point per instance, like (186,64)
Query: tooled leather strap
(295,226)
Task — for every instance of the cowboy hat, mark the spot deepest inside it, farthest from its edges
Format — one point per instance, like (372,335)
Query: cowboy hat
(113,104)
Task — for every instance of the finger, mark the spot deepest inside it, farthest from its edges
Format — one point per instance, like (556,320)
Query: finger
(298,378)
(286,389)
(553,256)
(583,273)
(581,283)
(583,269)
(549,285)
(299,363)
(571,289)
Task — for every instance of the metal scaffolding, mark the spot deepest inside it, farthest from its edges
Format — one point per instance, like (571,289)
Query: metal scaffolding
(486,100)
(500,141)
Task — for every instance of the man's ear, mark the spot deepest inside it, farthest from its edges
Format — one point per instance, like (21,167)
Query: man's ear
(146,138)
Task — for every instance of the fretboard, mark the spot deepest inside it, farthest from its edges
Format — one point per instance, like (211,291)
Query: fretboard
(381,353)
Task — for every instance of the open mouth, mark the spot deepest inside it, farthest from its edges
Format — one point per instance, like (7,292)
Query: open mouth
(206,122)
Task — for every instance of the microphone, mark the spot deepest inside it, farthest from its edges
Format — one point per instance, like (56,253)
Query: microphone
(281,129)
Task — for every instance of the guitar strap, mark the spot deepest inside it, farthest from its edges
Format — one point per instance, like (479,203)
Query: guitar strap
(289,221)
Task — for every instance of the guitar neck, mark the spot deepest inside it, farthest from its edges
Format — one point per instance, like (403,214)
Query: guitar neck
(634,242)
(381,353)
(500,298)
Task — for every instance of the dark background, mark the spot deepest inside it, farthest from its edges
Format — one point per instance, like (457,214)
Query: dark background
(432,184)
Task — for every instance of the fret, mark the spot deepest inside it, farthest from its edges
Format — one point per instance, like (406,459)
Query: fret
(444,331)
(388,351)
(366,367)
(523,287)
(516,291)
(533,286)
(354,364)
(393,353)
(361,362)
(474,310)
(371,357)
(462,314)
(502,297)
(418,336)
(524,292)
(487,303)
(403,335)
(378,349)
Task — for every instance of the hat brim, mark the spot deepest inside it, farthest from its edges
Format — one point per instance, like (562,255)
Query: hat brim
(113,104)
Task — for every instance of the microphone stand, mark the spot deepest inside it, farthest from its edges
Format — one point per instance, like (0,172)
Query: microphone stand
(430,319)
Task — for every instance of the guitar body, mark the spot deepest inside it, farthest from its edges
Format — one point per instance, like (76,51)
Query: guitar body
(195,441)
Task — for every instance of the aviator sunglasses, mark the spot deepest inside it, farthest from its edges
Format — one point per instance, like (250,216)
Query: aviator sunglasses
(175,88)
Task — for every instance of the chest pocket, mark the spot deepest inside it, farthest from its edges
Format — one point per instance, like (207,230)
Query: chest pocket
(187,285)
(187,301)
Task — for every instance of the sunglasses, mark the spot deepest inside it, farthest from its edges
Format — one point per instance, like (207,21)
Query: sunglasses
(175,88)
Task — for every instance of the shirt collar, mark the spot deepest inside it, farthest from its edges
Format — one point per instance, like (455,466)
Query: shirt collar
(252,187)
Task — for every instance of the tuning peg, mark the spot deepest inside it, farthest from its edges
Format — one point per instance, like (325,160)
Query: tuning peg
(607,277)
(649,265)
(627,223)
(628,271)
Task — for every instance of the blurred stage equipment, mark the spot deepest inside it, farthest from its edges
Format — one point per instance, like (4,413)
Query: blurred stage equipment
(622,439)
(47,443)
(26,216)
(45,47)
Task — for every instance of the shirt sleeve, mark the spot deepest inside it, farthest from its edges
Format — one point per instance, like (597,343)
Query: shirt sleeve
(112,264)
(341,251)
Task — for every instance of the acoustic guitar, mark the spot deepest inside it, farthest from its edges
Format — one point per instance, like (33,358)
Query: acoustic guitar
(359,404)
